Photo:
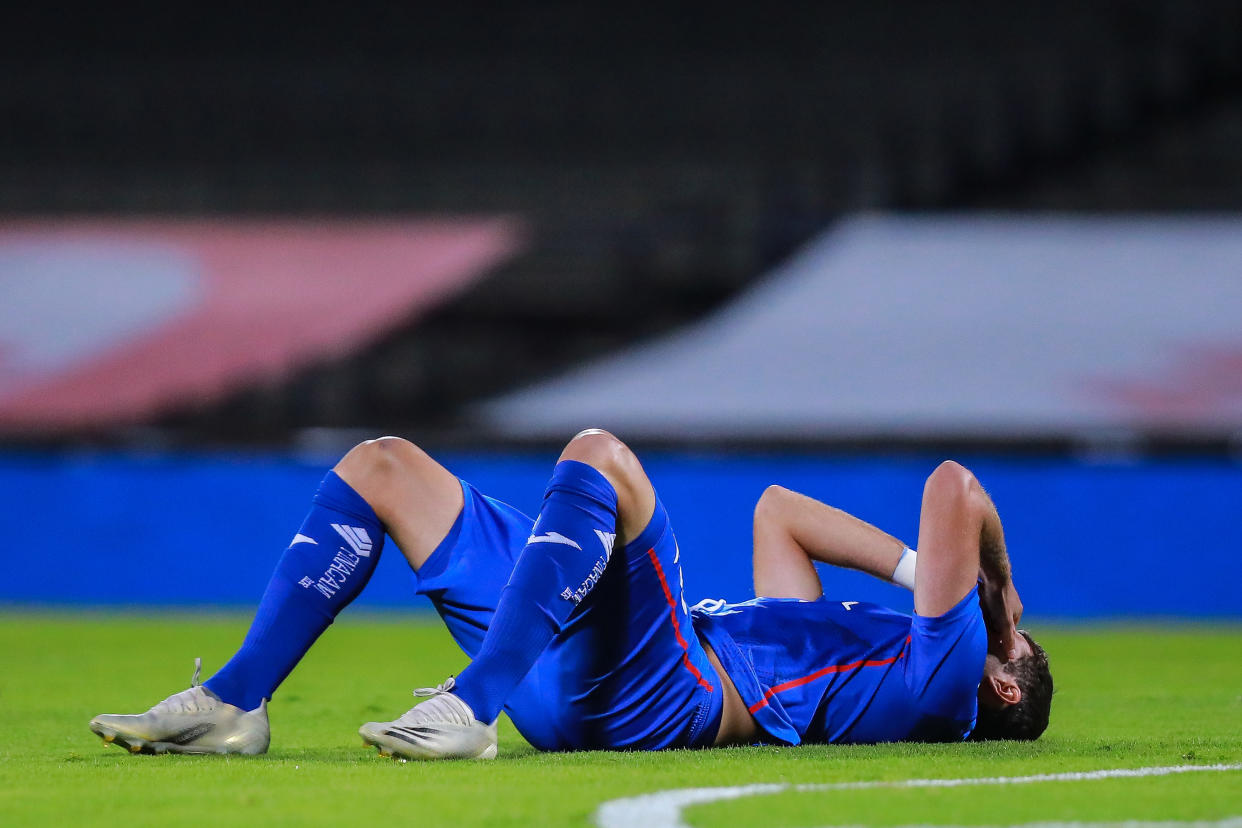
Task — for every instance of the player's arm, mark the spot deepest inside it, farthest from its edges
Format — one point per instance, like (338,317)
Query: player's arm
(792,531)
(1002,608)
(961,542)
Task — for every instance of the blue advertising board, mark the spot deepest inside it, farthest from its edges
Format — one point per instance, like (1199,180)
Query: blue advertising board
(1101,539)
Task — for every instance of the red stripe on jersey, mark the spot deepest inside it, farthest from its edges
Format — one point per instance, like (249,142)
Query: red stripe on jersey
(835,668)
(672,613)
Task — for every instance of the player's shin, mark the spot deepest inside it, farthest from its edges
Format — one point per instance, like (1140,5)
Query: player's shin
(564,557)
(327,564)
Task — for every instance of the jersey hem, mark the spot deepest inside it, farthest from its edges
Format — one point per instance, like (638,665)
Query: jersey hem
(744,680)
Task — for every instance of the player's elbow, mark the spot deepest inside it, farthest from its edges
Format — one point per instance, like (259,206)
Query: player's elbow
(771,504)
(953,486)
(950,477)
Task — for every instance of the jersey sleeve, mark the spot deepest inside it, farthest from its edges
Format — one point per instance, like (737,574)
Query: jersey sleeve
(945,664)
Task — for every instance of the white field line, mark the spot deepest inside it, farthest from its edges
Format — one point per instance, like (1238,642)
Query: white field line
(663,808)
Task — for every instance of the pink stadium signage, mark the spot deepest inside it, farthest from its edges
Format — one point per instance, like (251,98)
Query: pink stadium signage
(107,322)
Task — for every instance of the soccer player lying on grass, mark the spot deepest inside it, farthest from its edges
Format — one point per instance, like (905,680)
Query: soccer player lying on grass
(587,649)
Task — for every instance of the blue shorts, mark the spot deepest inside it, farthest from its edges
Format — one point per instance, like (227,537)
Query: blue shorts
(625,673)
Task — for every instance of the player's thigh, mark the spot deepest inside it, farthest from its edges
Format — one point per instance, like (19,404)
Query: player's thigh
(628,670)
(464,576)
(417,499)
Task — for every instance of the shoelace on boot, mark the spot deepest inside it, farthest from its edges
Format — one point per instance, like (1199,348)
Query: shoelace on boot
(441,706)
(193,700)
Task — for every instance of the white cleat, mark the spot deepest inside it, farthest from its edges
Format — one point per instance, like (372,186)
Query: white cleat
(443,727)
(192,721)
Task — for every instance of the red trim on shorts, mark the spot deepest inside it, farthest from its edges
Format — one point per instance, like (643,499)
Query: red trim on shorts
(672,614)
(835,668)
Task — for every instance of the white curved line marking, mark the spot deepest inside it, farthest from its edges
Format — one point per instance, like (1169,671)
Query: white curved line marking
(663,808)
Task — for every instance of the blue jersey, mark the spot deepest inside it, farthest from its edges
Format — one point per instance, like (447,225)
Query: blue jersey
(845,671)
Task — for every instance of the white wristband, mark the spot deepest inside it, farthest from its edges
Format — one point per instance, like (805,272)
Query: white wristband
(903,575)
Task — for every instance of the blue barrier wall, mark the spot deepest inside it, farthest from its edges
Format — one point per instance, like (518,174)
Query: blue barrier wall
(1087,539)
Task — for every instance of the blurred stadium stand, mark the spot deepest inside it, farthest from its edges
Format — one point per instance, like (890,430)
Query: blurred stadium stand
(663,159)
(890,331)
(105,324)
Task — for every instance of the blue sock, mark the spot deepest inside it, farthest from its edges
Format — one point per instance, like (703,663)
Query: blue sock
(565,556)
(325,567)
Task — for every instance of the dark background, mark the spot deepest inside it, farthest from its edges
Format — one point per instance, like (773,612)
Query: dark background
(662,158)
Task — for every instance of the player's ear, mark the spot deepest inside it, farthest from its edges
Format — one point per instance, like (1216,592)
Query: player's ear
(1005,687)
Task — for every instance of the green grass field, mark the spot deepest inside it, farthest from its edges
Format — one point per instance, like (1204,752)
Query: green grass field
(1126,698)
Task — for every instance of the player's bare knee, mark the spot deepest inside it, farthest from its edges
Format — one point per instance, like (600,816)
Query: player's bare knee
(607,455)
(598,449)
(374,467)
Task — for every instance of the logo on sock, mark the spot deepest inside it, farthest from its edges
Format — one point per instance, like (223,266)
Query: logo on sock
(343,563)
(553,537)
(356,537)
(576,595)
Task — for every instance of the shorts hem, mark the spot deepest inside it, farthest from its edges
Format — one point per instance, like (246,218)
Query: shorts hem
(706,722)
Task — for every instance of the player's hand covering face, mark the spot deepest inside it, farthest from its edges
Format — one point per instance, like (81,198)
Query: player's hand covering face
(1002,611)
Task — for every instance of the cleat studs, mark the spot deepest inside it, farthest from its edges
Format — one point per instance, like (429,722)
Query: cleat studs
(135,746)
